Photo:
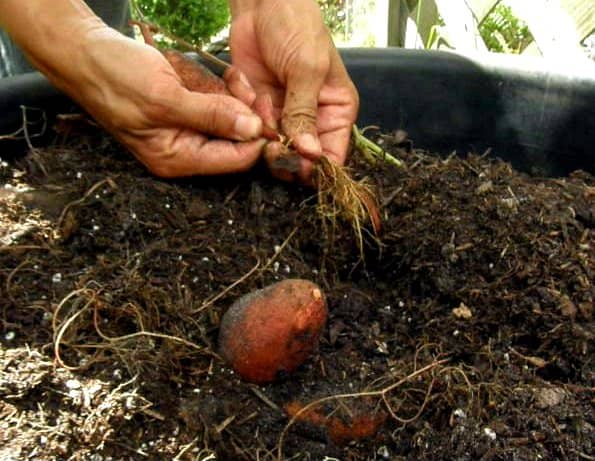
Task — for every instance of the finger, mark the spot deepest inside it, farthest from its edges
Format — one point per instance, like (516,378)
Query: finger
(305,174)
(288,165)
(216,115)
(335,144)
(339,107)
(239,86)
(273,152)
(209,158)
(301,105)
(263,106)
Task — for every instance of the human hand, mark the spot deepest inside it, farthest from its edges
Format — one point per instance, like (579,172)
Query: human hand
(286,52)
(133,91)
(146,107)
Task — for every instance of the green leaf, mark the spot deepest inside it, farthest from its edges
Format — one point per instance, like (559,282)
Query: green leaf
(196,21)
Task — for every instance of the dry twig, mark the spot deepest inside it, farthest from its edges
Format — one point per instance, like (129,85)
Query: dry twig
(23,131)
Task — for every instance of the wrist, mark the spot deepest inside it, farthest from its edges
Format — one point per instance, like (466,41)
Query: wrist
(52,37)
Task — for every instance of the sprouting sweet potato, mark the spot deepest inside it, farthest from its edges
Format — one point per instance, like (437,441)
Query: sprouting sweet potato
(272,331)
(355,201)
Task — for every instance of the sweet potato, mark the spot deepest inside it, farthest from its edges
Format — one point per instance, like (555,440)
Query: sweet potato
(197,77)
(194,75)
(272,331)
(341,430)
(354,200)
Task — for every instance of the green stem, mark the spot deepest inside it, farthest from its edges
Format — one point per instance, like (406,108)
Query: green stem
(370,150)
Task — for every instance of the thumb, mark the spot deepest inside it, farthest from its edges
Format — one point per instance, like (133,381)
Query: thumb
(217,115)
(301,106)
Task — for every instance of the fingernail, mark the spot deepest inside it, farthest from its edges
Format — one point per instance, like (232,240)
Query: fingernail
(244,80)
(308,143)
(248,126)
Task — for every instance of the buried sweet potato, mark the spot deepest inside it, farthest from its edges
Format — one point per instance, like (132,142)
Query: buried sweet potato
(273,330)
(341,430)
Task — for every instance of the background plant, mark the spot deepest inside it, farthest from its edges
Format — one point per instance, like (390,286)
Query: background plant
(335,13)
(503,32)
(196,21)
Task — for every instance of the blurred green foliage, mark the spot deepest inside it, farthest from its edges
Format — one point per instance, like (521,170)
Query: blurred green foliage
(334,13)
(503,32)
(196,21)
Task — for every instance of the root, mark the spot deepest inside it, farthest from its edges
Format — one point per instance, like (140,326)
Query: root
(210,301)
(341,197)
(107,181)
(73,328)
(307,411)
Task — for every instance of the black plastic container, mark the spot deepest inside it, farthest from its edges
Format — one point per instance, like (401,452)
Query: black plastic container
(541,120)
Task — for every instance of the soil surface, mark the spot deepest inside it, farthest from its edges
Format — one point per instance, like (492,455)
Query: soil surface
(465,334)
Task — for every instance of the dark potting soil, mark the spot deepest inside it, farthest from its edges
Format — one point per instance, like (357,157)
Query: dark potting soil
(466,333)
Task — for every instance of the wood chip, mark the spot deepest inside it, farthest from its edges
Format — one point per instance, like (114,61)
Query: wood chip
(462,312)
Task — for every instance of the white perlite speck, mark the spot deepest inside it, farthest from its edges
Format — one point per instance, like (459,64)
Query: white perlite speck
(73,384)
(489,432)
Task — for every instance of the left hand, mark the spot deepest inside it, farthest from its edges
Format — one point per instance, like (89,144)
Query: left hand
(286,51)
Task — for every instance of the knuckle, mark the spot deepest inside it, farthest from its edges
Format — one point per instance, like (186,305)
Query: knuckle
(158,101)
(210,114)
(161,169)
(291,57)
(158,158)
(307,65)
(299,119)
(216,113)
(319,65)
(300,112)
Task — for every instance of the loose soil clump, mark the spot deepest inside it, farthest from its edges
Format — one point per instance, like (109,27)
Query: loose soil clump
(463,330)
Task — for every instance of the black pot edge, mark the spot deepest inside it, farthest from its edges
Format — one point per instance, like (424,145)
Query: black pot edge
(543,121)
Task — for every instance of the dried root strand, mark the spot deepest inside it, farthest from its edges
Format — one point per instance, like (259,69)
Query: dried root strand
(341,197)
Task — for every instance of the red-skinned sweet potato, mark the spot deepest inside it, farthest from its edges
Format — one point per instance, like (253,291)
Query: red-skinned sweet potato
(341,430)
(194,75)
(197,77)
(273,330)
